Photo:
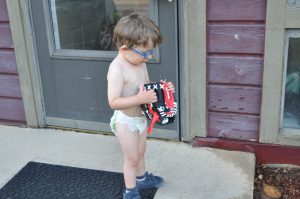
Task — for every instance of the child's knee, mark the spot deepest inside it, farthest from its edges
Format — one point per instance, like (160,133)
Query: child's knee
(142,151)
(141,154)
(133,161)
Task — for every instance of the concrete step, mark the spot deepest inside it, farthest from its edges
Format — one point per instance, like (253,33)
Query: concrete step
(190,173)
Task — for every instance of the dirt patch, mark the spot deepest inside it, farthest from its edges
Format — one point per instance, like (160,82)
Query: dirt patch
(271,180)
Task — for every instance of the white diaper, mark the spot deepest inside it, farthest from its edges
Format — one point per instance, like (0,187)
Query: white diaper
(135,124)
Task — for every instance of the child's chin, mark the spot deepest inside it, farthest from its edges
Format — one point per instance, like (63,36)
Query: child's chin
(138,63)
(142,62)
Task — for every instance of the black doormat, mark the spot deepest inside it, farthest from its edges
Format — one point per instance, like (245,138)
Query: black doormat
(46,181)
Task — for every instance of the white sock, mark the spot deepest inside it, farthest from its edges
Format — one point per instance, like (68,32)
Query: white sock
(141,178)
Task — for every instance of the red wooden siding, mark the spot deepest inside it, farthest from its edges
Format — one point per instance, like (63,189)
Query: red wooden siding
(12,109)
(8,61)
(5,39)
(10,86)
(3,11)
(235,70)
(227,38)
(234,99)
(243,10)
(11,104)
(235,47)
(233,126)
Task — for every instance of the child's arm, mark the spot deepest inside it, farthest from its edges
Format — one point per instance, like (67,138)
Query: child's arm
(114,92)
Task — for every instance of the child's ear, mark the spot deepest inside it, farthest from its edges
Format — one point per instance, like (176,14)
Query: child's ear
(123,48)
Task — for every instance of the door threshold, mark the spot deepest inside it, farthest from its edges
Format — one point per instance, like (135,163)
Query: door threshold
(78,130)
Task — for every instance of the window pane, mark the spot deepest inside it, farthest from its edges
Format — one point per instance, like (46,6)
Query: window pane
(291,113)
(294,3)
(88,24)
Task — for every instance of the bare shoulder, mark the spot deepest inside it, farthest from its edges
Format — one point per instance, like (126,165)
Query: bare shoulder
(146,74)
(114,70)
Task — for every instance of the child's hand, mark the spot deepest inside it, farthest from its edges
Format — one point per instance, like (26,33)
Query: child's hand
(146,97)
(170,86)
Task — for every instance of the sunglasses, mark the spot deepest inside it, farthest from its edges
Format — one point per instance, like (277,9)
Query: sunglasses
(143,54)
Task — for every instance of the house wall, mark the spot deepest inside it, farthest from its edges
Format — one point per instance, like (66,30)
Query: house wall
(11,104)
(235,54)
(235,47)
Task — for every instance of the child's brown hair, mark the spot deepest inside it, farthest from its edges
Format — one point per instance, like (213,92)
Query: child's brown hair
(136,30)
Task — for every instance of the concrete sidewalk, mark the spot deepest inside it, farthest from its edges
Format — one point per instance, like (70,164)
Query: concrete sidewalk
(190,173)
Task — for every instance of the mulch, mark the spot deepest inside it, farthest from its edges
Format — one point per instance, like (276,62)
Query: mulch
(283,179)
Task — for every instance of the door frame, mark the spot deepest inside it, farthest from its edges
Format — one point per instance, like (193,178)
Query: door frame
(192,54)
(280,18)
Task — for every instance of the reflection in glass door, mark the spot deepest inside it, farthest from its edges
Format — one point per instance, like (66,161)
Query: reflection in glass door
(88,25)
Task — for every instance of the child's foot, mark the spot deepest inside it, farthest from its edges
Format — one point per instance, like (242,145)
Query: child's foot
(150,181)
(132,194)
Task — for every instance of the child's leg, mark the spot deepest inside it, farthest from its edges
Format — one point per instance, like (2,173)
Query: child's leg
(144,179)
(129,142)
(142,150)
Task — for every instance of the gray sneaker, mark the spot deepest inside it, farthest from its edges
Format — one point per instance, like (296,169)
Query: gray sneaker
(151,181)
(134,194)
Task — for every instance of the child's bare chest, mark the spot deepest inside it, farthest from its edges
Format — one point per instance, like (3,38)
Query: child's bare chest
(132,80)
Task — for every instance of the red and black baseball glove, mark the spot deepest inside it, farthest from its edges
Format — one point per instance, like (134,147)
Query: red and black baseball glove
(164,110)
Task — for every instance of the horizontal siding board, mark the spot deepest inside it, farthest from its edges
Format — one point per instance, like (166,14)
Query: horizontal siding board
(12,109)
(10,86)
(3,11)
(13,123)
(233,126)
(5,36)
(236,99)
(228,10)
(8,62)
(235,70)
(236,38)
